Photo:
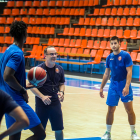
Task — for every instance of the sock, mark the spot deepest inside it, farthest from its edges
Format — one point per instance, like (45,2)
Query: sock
(132,128)
(108,128)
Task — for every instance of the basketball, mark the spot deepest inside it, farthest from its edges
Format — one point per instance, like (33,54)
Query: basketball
(37,76)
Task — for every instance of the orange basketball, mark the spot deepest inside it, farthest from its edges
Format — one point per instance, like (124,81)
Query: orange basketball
(37,76)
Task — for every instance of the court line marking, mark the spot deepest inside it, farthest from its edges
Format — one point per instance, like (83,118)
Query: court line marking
(92,79)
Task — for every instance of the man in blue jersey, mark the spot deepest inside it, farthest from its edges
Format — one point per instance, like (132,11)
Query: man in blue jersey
(13,81)
(119,63)
(49,96)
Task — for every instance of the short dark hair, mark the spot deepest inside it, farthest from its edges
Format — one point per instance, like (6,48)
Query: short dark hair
(45,50)
(18,29)
(115,38)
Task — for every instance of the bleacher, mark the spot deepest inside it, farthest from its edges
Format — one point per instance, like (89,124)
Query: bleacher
(77,28)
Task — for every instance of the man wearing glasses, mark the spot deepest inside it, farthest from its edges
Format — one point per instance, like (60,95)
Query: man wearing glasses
(49,96)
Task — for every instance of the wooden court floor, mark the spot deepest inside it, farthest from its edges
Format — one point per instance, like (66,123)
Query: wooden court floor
(84,114)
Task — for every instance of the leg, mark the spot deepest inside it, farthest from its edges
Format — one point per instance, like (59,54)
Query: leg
(15,136)
(39,133)
(110,115)
(131,115)
(59,135)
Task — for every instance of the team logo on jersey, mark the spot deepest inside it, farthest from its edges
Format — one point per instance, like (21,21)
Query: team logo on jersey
(57,70)
(119,58)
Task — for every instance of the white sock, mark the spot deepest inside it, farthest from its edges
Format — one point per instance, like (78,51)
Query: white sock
(108,128)
(132,128)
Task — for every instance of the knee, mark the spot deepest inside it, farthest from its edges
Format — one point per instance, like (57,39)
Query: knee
(129,111)
(111,110)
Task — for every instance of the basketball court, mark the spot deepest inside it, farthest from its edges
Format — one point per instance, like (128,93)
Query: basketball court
(84,112)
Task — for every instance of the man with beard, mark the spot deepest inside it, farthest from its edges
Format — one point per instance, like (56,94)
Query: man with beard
(49,96)
(119,63)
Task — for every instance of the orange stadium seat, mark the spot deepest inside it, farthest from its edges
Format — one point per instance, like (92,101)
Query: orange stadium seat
(61,42)
(84,43)
(19,4)
(88,32)
(42,30)
(95,13)
(9,20)
(92,22)
(108,11)
(129,22)
(106,53)
(110,22)
(136,22)
(71,4)
(65,3)
(36,3)
(120,12)
(71,32)
(76,3)
(78,43)
(96,44)
(132,11)
(15,12)
(126,34)
(59,3)
(66,42)
(46,31)
(87,20)
(138,12)
(31,11)
(133,56)
(104,22)
(102,12)
(44,3)
(81,3)
(103,45)
(91,3)
(58,12)
(28,4)
(106,33)
(81,22)
(90,44)
(52,3)
(129,2)
(119,33)
(113,32)
(82,32)
(6,12)
(94,33)
(72,43)
(10,4)
(133,34)
(76,31)
(114,12)
(62,11)
(116,2)
(1,30)
(126,12)
(135,2)
(23,12)
(98,22)
(122,2)
(123,45)
(93,53)
(123,22)
(25,19)
(100,33)
(2,20)
(46,12)
(39,12)
(18,18)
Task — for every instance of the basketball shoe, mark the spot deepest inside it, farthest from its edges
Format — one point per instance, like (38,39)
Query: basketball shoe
(134,136)
(106,136)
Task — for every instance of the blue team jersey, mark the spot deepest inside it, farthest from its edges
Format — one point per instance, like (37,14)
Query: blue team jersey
(118,64)
(13,58)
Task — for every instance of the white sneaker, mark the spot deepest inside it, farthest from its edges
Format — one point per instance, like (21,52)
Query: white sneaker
(134,136)
(106,136)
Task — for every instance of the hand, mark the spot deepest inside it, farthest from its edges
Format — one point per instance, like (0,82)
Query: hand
(26,97)
(125,91)
(46,100)
(29,85)
(101,93)
(60,96)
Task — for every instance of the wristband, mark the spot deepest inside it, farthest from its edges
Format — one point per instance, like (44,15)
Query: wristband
(62,92)
(23,91)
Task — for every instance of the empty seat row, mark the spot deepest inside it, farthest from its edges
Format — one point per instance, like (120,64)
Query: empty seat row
(60,3)
(106,33)
(44,12)
(78,43)
(32,30)
(109,21)
(37,21)
(9,40)
(122,2)
(116,12)
(69,51)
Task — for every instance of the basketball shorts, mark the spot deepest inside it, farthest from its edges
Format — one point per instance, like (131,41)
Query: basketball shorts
(53,113)
(115,93)
(33,118)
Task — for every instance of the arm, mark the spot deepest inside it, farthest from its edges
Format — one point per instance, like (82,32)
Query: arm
(61,91)
(105,78)
(21,122)
(128,80)
(10,79)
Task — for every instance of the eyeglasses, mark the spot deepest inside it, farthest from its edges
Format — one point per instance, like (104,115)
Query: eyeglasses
(52,54)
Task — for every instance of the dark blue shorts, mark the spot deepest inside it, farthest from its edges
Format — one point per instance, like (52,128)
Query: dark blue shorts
(115,93)
(33,118)
(53,113)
